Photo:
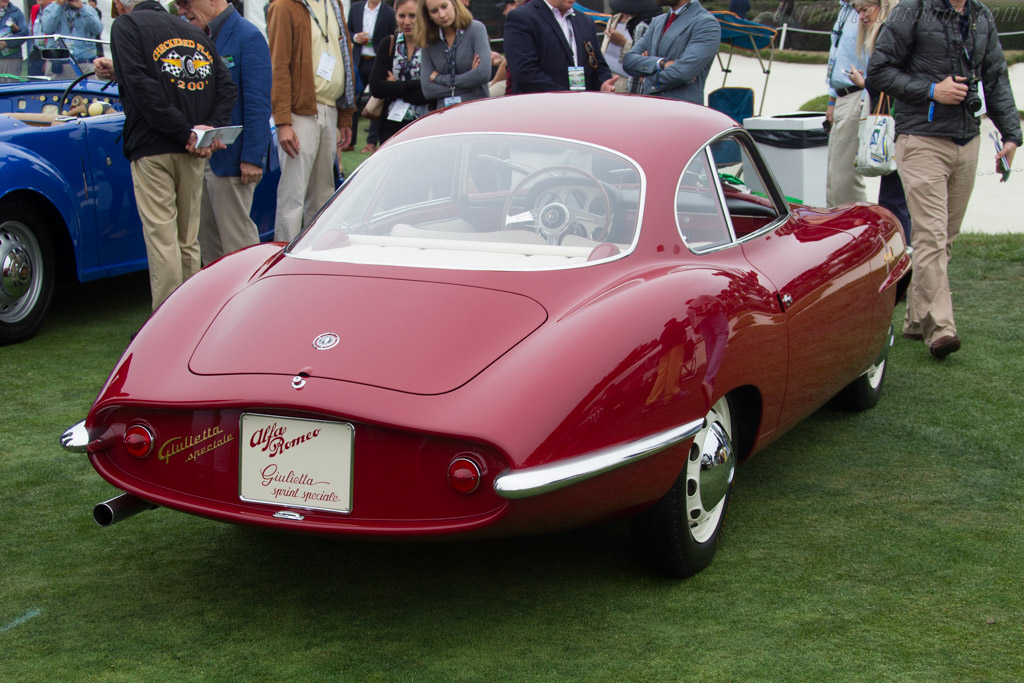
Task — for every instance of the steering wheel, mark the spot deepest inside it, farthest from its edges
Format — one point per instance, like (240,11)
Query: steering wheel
(561,205)
(67,91)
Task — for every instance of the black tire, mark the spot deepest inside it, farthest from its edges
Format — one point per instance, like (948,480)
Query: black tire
(863,393)
(679,535)
(26,272)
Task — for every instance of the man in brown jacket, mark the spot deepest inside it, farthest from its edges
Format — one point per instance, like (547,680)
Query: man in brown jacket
(313,97)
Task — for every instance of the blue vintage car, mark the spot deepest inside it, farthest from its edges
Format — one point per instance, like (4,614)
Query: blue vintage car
(67,207)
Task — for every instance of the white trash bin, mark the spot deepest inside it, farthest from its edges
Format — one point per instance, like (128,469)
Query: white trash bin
(796,149)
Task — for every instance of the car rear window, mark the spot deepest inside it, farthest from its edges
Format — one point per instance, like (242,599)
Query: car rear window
(483,202)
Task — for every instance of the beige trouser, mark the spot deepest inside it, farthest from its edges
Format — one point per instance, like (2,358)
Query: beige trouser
(843,184)
(307,181)
(938,177)
(224,222)
(167,192)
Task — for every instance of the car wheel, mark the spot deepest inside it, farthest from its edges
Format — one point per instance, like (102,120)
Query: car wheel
(678,535)
(863,393)
(26,272)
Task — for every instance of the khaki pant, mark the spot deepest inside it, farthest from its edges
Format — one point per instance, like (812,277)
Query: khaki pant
(938,177)
(307,181)
(224,222)
(167,191)
(843,184)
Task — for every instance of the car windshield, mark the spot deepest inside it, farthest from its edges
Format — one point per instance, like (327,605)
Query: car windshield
(482,202)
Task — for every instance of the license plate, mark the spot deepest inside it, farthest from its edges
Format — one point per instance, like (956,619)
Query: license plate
(296,463)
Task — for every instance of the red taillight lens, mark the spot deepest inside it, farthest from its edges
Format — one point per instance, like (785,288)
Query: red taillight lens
(138,441)
(464,475)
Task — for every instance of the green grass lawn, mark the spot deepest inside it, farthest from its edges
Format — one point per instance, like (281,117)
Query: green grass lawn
(883,545)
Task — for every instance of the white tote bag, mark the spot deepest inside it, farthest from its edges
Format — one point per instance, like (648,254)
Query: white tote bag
(876,151)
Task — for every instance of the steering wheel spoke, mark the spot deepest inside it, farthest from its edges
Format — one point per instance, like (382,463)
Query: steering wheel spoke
(558,202)
(528,217)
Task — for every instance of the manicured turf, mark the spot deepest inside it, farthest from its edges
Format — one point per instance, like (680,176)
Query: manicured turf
(882,545)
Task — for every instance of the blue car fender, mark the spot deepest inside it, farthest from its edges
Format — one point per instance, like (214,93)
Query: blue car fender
(26,172)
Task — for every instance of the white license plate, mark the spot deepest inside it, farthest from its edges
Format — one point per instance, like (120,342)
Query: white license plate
(296,463)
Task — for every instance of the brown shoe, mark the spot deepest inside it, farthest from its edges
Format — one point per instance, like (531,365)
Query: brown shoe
(368,149)
(350,148)
(945,346)
(916,336)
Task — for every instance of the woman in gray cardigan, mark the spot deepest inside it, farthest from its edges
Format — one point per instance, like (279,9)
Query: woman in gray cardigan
(456,54)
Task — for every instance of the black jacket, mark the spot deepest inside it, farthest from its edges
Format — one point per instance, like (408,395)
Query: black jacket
(385,26)
(920,44)
(170,79)
(381,87)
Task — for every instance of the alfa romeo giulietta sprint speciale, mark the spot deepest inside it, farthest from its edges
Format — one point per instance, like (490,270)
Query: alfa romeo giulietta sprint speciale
(519,315)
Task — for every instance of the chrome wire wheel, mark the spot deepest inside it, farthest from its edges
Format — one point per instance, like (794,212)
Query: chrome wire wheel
(710,469)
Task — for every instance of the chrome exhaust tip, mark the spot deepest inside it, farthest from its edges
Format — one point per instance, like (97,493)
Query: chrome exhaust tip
(119,508)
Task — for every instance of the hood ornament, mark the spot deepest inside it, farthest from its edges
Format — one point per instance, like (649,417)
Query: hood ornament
(327,340)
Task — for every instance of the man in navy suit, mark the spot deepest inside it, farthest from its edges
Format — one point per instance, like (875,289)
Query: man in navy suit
(370,23)
(232,174)
(551,47)
(674,56)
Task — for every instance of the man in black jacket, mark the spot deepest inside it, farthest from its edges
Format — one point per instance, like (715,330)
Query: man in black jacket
(172,83)
(931,55)
(370,23)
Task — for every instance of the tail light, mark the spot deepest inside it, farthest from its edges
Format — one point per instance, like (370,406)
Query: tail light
(138,441)
(464,475)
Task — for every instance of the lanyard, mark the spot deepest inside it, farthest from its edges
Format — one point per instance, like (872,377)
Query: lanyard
(449,53)
(317,21)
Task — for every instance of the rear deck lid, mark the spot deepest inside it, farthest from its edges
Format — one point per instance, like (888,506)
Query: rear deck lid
(410,336)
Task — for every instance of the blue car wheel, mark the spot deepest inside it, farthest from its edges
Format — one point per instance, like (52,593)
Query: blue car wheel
(26,272)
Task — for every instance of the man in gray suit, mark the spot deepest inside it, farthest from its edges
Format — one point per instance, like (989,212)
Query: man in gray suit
(674,56)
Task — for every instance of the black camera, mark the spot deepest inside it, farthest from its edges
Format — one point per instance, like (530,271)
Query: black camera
(973,100)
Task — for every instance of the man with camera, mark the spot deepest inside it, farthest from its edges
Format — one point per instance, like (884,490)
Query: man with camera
(932,55)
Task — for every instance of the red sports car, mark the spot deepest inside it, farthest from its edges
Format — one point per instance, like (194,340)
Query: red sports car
(506,322)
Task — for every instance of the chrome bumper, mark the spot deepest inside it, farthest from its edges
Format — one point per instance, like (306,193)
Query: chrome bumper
(75,439)
(533,481)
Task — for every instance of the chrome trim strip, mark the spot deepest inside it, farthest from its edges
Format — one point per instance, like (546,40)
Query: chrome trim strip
(75,439)
(533,481)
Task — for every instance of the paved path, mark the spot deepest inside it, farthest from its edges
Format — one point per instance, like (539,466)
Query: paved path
(995,207)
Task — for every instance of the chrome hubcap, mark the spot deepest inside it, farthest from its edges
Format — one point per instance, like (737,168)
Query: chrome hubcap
(876,372)
(710,469)
(19,282)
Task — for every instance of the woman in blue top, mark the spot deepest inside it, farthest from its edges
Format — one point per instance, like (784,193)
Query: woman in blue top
(456,56)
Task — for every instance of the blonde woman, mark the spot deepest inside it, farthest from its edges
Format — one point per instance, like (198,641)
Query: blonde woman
(872,14)
(456,54)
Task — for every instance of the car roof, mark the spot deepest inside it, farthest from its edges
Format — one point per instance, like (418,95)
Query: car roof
(641,127)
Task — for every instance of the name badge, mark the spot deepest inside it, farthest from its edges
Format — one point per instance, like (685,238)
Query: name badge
(398,110)
(577,78)
(229,61)
(454,99)
(326,66)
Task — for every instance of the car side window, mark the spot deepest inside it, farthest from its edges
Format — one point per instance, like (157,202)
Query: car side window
(749,201)
(698,213)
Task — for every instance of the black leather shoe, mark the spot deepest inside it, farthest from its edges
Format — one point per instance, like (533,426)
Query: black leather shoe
(945,346)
